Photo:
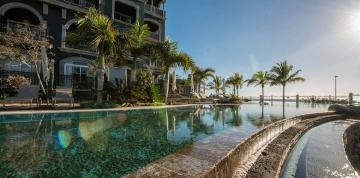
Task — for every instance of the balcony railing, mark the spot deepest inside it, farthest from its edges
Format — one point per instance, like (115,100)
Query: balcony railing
(155,10)
(155,36)
(12,25)
(76,82)
(80,3)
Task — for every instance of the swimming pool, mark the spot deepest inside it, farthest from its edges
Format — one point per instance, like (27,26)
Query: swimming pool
(320,153)
(114,143)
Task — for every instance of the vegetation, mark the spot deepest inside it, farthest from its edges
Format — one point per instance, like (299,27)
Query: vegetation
(167,56)
(11,84)
(29,48)
(156,96)
(216,84)
(99,34)
(282,74)
(260,78)
(237,82)
(200,75)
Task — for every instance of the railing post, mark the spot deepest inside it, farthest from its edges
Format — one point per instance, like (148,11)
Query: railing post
(351,99)
(297,100)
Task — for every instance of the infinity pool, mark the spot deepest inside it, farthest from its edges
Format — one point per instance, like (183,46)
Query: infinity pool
(320,153)
(112,144)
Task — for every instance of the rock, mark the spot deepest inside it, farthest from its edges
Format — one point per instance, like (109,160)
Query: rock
(349,110)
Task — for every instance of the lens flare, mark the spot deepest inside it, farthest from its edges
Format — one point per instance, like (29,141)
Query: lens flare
(88,129)
(64,138)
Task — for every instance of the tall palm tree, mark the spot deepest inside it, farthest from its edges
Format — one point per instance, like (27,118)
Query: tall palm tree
(260,78)
(168,57)
(231,82)
(282,74)
(99,34)
(200,75)
(136,42)
(216,84)
(237,81)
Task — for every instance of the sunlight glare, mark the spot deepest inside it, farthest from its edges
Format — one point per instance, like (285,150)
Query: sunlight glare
(354,22)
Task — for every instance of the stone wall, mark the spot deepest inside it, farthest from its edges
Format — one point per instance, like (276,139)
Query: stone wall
(352,145)
(271,160)
(252,144)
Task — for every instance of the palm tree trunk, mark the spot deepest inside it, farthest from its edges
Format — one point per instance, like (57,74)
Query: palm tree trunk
(234,90)
(166,85)
(262,95)
(100,78)
(173,87)
(192,83)
(283,101)
(237,91)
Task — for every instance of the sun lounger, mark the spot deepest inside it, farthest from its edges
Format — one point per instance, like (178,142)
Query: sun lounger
(25,94)
(64,95)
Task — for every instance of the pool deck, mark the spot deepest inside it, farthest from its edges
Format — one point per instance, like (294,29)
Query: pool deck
(109,109)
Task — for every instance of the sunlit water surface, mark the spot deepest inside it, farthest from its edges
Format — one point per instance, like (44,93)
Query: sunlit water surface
(320,153)
(112,144)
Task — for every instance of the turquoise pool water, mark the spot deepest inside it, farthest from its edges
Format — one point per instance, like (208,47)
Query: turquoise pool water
(112,144)
(320,153)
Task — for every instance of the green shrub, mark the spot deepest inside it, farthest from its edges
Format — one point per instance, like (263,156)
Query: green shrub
(156,96)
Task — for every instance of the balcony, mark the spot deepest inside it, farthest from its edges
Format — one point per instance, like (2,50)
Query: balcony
(155,10)
(81,3)
(154,36)
(12,25)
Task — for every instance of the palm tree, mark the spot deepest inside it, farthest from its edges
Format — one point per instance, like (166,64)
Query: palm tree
(200,75)
(99,34)
(230,81)
(260,78)
(136,42)
(216,84)
(168,57)
(282,74)
(237,81)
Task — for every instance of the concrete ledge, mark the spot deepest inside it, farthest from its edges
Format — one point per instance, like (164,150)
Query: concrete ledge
(271,160)
(351,139)
(218,155)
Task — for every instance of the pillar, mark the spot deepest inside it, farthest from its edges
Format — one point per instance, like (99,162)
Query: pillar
(351,99)
(297,100)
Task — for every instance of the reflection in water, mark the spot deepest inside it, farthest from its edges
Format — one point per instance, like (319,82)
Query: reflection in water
(111,144)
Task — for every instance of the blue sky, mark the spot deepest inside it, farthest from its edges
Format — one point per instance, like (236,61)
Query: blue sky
(321,37)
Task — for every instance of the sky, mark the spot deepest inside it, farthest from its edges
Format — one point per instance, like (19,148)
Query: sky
(320,37)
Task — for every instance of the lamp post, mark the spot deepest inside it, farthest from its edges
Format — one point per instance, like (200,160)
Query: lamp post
(335,87)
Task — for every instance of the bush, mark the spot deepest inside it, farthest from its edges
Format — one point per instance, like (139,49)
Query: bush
(156,96)
(12,84)
(235,99)
(15,81)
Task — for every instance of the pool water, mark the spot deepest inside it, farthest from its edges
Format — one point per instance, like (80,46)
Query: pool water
(112,144)
(320,153)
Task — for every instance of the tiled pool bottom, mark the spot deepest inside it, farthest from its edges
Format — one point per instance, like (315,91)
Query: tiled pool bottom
(112,144)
